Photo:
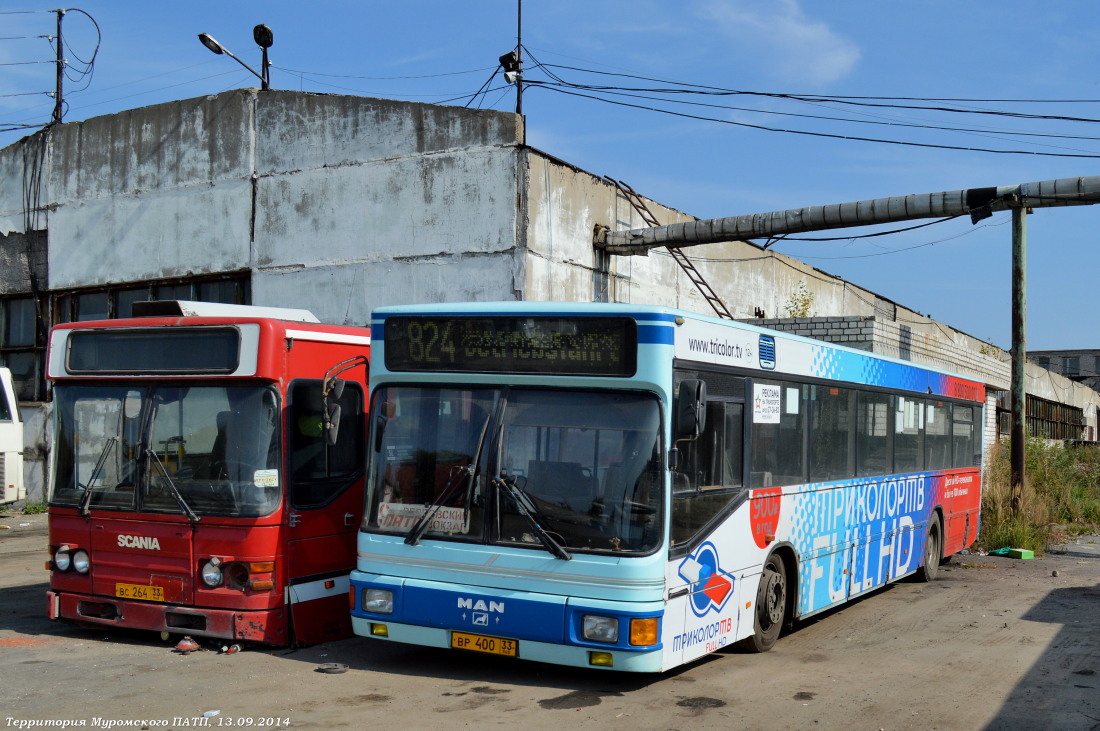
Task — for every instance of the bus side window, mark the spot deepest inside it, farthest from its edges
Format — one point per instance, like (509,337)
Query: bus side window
(937,435)
(873,435)
(319,470)
(711,474)
(963,438)
(831,433)
(908,434)
(5,409)
(777,446)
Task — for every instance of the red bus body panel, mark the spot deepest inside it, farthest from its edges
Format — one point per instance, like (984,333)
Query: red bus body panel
(312,549)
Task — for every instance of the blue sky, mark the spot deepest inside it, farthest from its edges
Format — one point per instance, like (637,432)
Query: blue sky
(437,51)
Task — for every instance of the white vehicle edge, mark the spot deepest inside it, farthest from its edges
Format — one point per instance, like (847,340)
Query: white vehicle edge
(12,487)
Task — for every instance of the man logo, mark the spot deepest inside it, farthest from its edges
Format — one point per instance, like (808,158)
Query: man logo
(480,605)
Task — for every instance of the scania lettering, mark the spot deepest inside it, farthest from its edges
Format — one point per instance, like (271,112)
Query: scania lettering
(145,542)
(199,484)
(639,486)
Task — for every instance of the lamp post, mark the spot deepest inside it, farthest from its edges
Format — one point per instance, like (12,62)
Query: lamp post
(264,39)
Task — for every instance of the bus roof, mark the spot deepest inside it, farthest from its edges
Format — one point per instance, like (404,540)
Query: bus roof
(663,313)
(187,308)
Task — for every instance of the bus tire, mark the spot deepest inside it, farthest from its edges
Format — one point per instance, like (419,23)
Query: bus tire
(933,551)
(771,607)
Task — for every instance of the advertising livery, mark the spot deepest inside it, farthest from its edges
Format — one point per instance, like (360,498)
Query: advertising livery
(631,487)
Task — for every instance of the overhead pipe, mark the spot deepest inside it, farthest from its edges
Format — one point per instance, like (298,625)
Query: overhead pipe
(978,203)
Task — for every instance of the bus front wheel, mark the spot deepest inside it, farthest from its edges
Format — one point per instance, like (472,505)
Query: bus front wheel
(771,607)
(933,550)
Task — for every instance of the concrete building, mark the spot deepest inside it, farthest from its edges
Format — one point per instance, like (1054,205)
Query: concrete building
(340,204)
(1082,366)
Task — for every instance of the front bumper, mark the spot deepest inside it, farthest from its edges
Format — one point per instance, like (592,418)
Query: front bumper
(268,626)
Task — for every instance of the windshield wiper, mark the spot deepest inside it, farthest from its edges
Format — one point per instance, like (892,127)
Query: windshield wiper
(191,515)
(525,507)
(420,527)
(86,498)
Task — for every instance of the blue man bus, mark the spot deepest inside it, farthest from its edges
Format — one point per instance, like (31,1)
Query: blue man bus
(632,487)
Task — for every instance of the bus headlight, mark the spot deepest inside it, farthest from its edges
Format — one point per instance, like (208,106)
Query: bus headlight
(212,573)
(378,601)
(62,560)
(601,629)
(81,562)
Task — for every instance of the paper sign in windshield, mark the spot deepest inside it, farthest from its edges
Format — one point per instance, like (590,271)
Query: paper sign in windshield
(765,403)
(402,516)
(265,478)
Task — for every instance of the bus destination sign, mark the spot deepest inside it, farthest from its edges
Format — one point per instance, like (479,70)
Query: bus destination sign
(583,346)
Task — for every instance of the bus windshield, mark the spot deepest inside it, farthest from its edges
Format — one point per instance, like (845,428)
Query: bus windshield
(544,469)
(199,450)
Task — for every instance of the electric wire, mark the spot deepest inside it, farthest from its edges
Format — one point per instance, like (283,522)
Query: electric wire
(707,89)
(302,72)
(557,83)
(809,133)
(992,132)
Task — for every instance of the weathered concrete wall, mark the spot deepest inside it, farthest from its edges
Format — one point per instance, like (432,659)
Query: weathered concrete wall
(564,204)
(15,172)
(280,183)
(23,257)
(368,202)
(151,193)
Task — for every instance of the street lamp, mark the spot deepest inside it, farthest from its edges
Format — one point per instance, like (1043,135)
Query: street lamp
(264,39)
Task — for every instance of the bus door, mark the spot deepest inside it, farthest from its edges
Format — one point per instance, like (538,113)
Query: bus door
(11,443)
(326,505)
(708,485)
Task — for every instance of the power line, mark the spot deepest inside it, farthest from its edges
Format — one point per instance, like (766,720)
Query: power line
(808,133)
(852,100)
(301,72)
(910,125)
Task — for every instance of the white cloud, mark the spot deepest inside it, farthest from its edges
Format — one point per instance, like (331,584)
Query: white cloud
(783,39)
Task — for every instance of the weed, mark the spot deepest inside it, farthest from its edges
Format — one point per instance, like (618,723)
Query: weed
(801,302)
(1060,497)
(35,508)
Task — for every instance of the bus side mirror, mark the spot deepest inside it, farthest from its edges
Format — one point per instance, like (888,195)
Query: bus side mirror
(332,424)
(331,392)
(336,389)
(691,409)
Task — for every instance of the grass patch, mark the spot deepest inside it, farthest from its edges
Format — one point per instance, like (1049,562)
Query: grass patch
(35,508)
(1061,496)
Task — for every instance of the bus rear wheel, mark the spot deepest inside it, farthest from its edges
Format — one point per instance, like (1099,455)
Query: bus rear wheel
(933,551)
(771,607)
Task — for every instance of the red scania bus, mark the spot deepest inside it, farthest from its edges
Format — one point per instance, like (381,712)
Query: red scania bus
(198,483)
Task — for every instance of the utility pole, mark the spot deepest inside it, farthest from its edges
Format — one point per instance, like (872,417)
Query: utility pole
(519,56)
(57,100)
(1019,354)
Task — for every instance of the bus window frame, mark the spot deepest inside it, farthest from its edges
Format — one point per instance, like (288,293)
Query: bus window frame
(344,482)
